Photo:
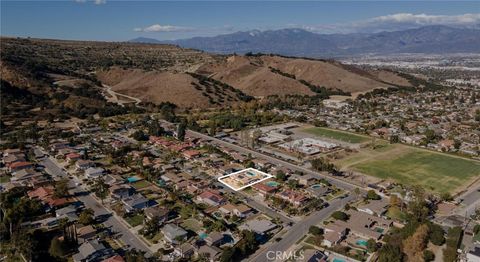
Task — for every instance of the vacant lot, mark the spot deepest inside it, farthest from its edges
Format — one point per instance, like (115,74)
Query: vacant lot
(336,134)
(411,166)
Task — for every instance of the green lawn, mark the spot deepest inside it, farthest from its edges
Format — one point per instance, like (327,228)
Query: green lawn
(135,220)
(192,224)
(4,179)
(434,171)
(336,134)
(141,184)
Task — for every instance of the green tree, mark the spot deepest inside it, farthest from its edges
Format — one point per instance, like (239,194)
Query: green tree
(281,176)
(61,188)
(139,135)
(314,230)
(372,245)
(394,139)
(100,188)
(86,216)
(339,215)
(437,235)
(389,253)
(228,254)
(428,256)
(181,131)
(57,248)
(371,195)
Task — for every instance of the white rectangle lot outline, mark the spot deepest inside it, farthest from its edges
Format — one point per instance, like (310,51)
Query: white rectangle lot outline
(267,176)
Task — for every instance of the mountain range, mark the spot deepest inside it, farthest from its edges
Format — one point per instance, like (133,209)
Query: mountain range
(436,39)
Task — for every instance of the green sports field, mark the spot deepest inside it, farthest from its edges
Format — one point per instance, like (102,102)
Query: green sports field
(410,166)
(336,134)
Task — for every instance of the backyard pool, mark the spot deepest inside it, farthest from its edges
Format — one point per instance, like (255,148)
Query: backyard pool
(316,186)
(362,242)
(203,235)
(133,179)
(338,260)
(272,184)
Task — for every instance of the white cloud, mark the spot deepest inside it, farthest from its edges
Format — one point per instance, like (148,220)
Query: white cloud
(163,28)
(100,2)
(80,1)
(400,21)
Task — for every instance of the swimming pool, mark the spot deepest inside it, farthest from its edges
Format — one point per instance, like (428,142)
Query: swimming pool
(338,260)
(272,184)
(133,179)
(203,235)
(250,174)
(316,186)
(362,242)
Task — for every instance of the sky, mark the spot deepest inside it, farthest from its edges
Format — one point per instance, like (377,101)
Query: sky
(110,20)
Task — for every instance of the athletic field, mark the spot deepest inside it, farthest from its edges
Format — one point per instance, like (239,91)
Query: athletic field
(336,134)
(434,171)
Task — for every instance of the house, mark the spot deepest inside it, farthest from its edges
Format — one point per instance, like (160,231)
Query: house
(59,145)
(92,251)
(116,258)
(215,239)
(209,252)
(86,233)
(259,226)
(40,192)
(238,210)
(190,154)
(211,197)
(374,207)
(295,198)
(264,189)
(306,180)
(334,233)
(312,255)
(173,233)
(9,158)
(121,191)
(159,213)
(25,174)
(135,202)
(185,250)
(17,166)
(94,172)
(66,211)
(73,157)
(83,164)
(474,255)
(367,226)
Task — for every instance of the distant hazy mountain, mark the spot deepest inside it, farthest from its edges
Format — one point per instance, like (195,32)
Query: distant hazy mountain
(299,42)
(145,40)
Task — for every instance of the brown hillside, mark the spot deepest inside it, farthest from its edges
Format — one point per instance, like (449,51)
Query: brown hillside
(253,75)
(181,89)
(161,73)
(250,75)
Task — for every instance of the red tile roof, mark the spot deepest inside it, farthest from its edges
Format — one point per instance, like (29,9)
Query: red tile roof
(19,164)
(115,258)
(264,188)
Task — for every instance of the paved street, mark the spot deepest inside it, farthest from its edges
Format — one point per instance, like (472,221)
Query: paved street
(299,230)
(335,181)
(260,207)
(470,201)
(126,236)
(52,168)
